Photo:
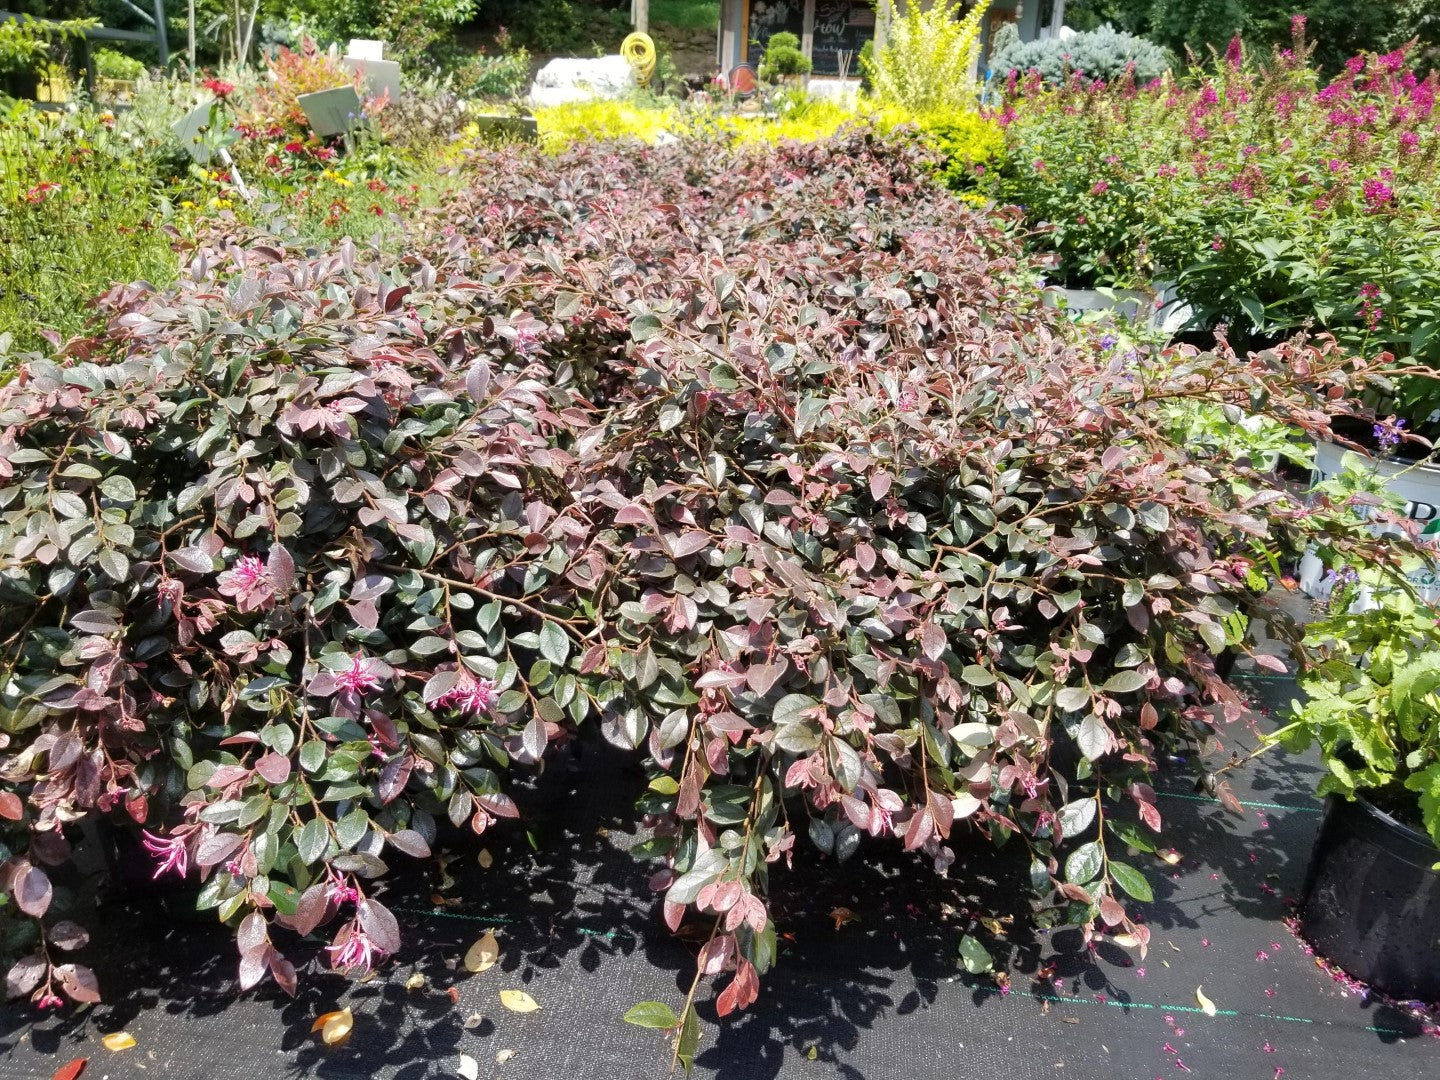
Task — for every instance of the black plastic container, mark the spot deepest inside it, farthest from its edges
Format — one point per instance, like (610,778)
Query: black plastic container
(1372,902)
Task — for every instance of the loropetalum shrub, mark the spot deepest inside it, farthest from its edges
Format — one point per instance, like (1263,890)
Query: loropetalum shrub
(1105,53)
(768,462)
(1277,200)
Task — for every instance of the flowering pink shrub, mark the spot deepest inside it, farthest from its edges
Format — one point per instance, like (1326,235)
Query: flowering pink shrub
(767,462)
(1273,199)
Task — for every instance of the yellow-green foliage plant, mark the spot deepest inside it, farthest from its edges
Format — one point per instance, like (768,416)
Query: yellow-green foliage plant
(561,125)
(926,63)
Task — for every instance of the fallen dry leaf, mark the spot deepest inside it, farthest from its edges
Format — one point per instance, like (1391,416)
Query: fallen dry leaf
(473,1021)
(485,859)
(843,915)
(1206,1005)
(453,993)
(504,1056)
(518,1001)
(70,1070)
(337,1028)
(469,1068)
(323,1019)
(483,955)
(415,982)
(118,1040)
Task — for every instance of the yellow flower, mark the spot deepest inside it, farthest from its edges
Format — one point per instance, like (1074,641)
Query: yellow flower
(186,204)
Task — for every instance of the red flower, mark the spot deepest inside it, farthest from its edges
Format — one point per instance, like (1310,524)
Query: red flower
(219,87)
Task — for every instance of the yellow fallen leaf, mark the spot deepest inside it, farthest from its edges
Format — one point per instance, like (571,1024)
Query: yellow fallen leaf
(518,1001)
(119,1040)
(337,1029)
(483,954)
(1171,857)
(323,1019)
(415,982)
(485,859)
(1206,1005)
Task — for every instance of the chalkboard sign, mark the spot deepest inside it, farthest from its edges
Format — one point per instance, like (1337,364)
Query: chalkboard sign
(769,17)
(841,26)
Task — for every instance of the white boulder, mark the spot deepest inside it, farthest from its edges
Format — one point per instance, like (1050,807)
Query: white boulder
(565,79)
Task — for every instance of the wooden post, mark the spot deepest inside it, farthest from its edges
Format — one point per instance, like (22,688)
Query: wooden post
(640,15)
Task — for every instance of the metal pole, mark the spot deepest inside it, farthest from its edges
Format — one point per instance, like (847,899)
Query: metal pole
(162,43)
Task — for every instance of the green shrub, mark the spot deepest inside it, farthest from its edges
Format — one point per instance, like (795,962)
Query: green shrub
(927,62)
(1105,53)
(110,64)
(783,58)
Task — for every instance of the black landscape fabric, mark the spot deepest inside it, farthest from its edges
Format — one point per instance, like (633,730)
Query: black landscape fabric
(869,986)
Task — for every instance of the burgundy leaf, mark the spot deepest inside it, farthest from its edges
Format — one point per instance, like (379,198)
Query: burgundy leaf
(410,842)
(24,975)
(32,891)
(377,922)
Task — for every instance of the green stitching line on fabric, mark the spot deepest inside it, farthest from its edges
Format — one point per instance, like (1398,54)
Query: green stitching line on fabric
(1245,802)
(500,920)
(1062,1000)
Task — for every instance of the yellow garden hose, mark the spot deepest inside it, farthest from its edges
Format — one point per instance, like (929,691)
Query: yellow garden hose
(640,51)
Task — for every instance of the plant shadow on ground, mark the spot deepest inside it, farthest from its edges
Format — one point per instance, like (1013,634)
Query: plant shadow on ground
(873,937)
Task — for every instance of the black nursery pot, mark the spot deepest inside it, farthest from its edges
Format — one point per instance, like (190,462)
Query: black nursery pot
(1372,902)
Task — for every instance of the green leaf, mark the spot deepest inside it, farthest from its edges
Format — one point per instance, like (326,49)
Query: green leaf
(351,828)
(976,675)
(665,785)
(1124,682)
(1072,698)
(975,957)
(652,1014)
(311,841)
(1131,880)
(1075,817)
(1084,864)
(1130,834)
(1093,737)
(554,643)
(688,1041)
(312,756)
(645,327)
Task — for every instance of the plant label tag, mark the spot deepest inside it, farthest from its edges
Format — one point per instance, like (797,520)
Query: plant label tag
(193,131)
(519,128)
(379,76)
(365,49)
(331,112)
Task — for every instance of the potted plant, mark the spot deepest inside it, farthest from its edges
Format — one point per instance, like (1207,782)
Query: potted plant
(23,48)
(1371,901)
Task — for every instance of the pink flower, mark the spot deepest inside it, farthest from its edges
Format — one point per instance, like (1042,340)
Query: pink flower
(469,694)
(1101,186)
(248,584)
(170,852)
(50,1001)
(353,951)
(1234,54)
(339,890)
(219,87)
(358,677)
